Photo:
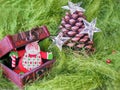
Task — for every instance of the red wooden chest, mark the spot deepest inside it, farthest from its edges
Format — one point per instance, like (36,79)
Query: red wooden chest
(18,41)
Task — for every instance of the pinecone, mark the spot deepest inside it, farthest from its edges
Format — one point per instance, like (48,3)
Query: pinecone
(71,26)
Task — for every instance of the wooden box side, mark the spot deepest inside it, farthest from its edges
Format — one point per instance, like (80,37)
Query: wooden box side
(23,38)
(21,80)
(11,75)
(36,73)
(6,45)
(45,32)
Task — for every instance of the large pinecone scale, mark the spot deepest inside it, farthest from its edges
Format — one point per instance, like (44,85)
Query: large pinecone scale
(71,26)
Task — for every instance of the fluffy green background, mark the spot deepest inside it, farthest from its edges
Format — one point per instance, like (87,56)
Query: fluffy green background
(71,70)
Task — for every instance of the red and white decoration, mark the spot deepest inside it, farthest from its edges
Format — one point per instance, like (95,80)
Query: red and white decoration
(13,57)
(31,58)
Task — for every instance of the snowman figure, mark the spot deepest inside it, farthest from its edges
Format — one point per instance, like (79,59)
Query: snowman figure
(31,58)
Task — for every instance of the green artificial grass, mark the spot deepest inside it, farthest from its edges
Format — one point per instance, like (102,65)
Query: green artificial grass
(71,71)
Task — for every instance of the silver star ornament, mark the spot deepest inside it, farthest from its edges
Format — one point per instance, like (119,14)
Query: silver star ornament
(90,28)
(74,7)
(59,40)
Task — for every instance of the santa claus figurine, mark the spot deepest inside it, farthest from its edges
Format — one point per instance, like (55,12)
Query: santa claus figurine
(29,58)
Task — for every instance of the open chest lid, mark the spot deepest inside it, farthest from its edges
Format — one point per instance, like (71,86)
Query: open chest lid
(11,42)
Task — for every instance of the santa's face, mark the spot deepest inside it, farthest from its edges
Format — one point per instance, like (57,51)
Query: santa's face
(32,48)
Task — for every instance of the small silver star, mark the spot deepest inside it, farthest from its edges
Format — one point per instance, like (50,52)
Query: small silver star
(74,7)
(90,28)
(59,40)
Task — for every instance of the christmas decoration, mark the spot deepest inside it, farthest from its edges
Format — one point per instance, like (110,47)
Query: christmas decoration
(31,58)
(72,25)
(90,28)
(22,61)
(13,56)
(71,71)
(22,38)
(74,7)
(108,61)
(59,40)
